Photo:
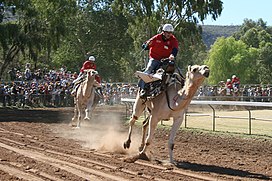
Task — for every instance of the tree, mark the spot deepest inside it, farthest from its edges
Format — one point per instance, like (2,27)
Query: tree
(146,16)
(265,64)
(258,35)
(228,57)
(35,26)
(97,31)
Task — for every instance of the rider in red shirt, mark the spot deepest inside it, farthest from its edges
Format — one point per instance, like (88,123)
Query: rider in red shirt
(160,46)
(88,64)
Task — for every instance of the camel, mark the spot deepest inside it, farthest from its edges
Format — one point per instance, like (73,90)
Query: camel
(85,98)
(171,103)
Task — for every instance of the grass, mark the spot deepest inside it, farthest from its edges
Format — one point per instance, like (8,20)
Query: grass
(261,123)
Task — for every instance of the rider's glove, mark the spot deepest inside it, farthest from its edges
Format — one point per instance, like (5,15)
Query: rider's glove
(145,46)
(171,57)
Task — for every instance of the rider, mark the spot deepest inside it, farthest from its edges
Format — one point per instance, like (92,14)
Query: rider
(161,46)
(88,64)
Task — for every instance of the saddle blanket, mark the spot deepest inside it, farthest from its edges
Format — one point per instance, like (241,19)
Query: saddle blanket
(148,77)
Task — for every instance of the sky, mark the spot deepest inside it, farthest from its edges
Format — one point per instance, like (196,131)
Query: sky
(235,11)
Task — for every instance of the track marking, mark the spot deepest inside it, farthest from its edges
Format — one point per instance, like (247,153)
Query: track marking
(18,173)
(86,160)
(177,171)
(70,167)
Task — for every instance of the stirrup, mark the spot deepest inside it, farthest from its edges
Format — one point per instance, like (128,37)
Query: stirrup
(143,94)
(73,93)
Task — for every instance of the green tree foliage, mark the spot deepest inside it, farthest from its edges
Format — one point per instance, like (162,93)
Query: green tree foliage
(259,35)
(63,32)
(146,16)
(228,57)
(97,31)
(265,64)
(247,54)
(35,26)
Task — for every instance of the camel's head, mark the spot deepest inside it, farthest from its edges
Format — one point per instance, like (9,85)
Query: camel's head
(91,72)
(198,72)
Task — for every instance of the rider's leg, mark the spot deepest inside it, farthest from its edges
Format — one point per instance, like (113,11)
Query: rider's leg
(152,66)
(76,83)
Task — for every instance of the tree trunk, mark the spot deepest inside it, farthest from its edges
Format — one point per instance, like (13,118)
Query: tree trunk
(8,58)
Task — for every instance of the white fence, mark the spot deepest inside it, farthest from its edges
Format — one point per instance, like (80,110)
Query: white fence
(249,106)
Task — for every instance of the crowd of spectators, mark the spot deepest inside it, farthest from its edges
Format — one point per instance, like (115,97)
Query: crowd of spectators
(52,88)
(252,93)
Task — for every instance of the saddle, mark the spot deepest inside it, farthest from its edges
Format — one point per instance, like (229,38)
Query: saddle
(166,75)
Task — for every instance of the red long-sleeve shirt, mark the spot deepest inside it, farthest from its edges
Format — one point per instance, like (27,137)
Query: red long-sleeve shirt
(159,48)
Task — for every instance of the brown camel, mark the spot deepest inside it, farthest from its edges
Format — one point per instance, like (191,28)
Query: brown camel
(162,108)
(84,98)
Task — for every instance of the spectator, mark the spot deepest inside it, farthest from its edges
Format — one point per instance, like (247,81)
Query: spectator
(229,87)
(235,81)
(2,95)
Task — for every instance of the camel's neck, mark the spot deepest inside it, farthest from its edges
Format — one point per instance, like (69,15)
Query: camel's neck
(89,85)
(186,94)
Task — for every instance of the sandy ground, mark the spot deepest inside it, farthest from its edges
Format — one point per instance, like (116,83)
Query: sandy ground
(40,145)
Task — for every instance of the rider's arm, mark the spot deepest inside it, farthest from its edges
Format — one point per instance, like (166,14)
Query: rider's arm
(174,52)
(146,45)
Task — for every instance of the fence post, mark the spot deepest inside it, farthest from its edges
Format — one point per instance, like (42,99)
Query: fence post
(249,121)
(213,117)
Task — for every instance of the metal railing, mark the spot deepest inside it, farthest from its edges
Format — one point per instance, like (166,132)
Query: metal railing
(249,106)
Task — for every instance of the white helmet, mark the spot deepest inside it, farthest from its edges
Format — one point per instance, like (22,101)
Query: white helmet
(168,27)
(91,58)
(233,76)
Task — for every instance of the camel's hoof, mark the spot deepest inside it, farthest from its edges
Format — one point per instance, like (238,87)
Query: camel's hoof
(127,144)
(143,156)
(86,119)
(131,159)
(140,148)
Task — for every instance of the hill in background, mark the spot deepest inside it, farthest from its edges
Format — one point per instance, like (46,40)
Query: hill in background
(211,32)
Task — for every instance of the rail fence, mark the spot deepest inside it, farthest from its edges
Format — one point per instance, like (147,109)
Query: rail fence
(248,106)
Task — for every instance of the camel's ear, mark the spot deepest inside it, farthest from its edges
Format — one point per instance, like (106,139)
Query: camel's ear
(189,68)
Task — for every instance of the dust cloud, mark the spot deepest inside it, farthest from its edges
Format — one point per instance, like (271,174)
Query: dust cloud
(104,132)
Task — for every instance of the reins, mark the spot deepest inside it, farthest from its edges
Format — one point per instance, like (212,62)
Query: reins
(176,77)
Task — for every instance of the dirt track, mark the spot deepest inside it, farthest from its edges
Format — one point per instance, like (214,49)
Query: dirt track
(39,145)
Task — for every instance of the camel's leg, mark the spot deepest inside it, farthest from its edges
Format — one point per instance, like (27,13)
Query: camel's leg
(176,125)
(138,108)
(88,110)
(75,110)
(144,128)
(89,106)
(80,113)
(75,117)
(153,121)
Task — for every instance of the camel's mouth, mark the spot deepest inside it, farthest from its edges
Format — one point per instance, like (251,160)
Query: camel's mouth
(206,71)
(206,74)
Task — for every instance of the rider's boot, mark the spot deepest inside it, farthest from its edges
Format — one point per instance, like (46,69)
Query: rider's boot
(163,82)
(144,91)
(99,91)
(73,93)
